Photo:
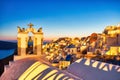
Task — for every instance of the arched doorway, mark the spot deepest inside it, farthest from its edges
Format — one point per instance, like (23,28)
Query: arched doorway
(29,49)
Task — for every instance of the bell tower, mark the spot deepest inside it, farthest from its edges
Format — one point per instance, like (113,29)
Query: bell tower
(23,39)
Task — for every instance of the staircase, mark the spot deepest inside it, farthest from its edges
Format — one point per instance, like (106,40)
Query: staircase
(6,67)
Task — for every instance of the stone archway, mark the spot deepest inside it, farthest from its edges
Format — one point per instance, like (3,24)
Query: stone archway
(29,49)
(23,37)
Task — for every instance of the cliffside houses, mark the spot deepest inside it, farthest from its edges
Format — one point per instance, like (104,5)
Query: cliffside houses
(97,45)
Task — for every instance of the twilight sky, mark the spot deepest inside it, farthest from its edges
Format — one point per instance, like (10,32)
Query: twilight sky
(58,18)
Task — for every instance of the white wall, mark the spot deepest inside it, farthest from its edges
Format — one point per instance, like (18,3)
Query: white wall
(94,70)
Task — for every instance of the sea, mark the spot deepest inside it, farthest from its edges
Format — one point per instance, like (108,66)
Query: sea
(7,52)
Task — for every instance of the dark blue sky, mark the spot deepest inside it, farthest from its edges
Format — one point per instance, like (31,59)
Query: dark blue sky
(59,18)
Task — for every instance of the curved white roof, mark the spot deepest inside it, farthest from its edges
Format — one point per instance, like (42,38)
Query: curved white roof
(35,68)
(89,69)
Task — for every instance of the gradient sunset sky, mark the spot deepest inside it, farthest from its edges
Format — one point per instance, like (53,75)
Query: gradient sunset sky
(58,18)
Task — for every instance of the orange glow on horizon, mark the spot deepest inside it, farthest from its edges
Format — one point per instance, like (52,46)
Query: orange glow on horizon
(8,38)
(46,38)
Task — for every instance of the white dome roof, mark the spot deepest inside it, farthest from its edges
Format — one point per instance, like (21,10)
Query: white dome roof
(34,68)
(89,69)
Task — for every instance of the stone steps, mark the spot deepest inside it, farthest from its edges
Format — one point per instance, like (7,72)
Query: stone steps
(6,67)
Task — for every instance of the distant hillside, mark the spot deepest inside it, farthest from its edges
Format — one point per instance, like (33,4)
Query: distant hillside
(4,45)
